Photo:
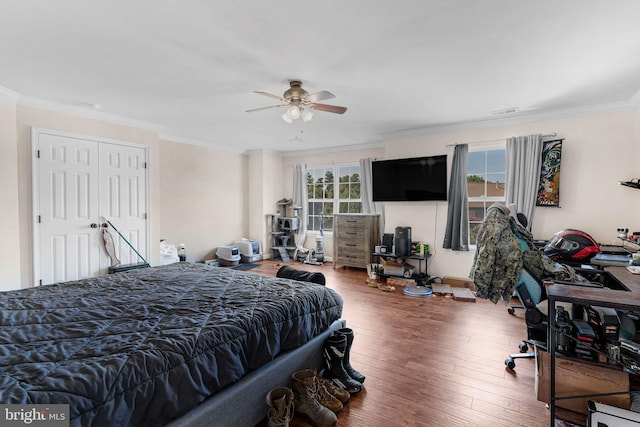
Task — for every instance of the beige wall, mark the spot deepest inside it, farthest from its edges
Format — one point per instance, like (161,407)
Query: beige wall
(265,189)
(202,198)
(599,150)
(9,214)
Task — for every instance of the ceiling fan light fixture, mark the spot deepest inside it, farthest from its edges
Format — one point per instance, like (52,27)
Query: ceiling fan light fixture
(293,112)
(286,117)
(300,103)
(306,114)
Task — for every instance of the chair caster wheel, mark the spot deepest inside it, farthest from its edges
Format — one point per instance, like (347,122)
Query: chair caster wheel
(510,363)
(511,310)
(524,347)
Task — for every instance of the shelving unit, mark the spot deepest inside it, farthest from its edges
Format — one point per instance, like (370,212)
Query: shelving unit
(620,300)
(420,278)
(283,231)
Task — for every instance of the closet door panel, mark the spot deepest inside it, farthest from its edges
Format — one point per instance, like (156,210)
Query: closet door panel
(123,197)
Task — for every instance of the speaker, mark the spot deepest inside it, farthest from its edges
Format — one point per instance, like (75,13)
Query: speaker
(402,241)
(387,241)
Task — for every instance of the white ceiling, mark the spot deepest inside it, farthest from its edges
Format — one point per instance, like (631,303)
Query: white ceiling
(189,67)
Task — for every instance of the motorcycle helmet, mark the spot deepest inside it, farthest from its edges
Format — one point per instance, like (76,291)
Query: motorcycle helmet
(571,245)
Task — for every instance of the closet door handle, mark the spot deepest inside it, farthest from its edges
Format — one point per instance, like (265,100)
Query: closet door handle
(94,225)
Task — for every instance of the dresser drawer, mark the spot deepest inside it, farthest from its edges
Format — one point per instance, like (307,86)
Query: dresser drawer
(354,260)
(345,222)
(350,246)
(355,234)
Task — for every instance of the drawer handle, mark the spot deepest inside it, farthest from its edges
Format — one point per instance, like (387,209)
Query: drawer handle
(353,233)
(351,244)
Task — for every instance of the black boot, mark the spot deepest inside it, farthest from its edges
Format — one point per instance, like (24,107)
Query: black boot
(334,350)
(348,333)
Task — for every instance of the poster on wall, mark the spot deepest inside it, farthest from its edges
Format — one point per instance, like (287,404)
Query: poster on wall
(549,186)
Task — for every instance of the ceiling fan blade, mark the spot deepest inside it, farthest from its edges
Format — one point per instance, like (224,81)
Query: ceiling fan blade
(320,96)
(265,108)
(329,108)
(259,92)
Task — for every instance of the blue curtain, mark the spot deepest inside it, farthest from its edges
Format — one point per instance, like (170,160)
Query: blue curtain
(456,235)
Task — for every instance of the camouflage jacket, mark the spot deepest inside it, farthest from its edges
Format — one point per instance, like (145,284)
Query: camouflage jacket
(497,263)
(500,257)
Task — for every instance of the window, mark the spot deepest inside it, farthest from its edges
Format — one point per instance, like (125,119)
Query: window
(486,175)
(323,199)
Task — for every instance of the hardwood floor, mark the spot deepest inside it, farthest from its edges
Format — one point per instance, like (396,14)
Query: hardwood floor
(430,361)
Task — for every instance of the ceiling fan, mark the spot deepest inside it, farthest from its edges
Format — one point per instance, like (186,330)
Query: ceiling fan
(300,103)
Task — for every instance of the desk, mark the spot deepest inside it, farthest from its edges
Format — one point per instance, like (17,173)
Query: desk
(624,277)
(604,297)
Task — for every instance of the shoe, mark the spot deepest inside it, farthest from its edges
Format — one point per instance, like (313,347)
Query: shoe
(333,351)
(306,399)
(348,334)
(339,393)
(280,402)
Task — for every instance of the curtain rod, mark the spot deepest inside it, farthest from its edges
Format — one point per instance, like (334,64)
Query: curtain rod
(551,135)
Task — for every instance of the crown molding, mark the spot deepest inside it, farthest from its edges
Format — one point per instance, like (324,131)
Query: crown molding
(370,145)
(8,94)
(262,151)
(85,112)
(199,143)
(522,117)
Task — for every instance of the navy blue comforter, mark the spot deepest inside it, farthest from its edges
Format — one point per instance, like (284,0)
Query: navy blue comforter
(143,347)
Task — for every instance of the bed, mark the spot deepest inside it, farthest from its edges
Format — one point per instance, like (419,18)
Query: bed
(172,345)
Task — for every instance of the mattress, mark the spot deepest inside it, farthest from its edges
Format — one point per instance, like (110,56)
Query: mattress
(143,347)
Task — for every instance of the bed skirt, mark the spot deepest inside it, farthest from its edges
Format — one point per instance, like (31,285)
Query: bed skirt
(243,403)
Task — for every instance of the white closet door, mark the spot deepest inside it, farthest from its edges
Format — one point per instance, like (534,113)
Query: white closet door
(123,198)
(68,247)
(77,182)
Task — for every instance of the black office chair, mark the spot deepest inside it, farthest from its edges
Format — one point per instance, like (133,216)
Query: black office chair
(531,292)
(508,233)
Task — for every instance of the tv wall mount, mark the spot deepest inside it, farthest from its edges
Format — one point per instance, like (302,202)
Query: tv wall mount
(633,183)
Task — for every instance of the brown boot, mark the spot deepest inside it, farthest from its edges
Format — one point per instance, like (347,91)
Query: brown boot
(324,396)
(280,401)
(307,400)
(341,394)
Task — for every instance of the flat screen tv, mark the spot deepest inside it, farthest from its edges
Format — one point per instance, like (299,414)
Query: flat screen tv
(410,180)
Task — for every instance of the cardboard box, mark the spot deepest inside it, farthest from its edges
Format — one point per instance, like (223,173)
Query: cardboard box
(463,294)
(459,282)
(392,268)
(575,377)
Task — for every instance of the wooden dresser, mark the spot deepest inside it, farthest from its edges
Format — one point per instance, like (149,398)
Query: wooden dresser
(354,239)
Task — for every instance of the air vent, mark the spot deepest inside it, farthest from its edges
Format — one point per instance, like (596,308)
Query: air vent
(505,111)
